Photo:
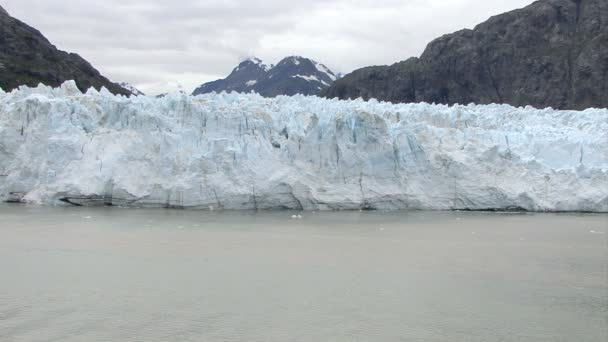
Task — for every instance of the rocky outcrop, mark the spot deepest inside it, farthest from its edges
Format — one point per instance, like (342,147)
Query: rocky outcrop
(553,53)
(28,58)
(293,75)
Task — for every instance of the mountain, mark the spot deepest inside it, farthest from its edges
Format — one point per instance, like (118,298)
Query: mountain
(130,88)
(28,58)
(242,79)
(550,53)
(293,75)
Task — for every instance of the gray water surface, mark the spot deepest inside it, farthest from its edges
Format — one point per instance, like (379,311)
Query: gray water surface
(108,274)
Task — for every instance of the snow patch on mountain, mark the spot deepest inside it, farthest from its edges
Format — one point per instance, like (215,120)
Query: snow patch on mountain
(243,151)
(260,63)
(132,89)
(322,68)
(310,78)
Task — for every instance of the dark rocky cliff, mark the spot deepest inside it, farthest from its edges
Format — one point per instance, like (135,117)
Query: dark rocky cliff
(28,58)
(553,53)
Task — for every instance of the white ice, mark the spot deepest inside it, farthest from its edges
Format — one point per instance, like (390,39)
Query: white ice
(242,151)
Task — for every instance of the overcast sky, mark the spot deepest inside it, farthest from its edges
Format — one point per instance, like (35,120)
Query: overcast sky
(157,44)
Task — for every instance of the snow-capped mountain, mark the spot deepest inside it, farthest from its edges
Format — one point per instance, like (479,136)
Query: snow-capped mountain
(132,89)
(292,75)
(243,151)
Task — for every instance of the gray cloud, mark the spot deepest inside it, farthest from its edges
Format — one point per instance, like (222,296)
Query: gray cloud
(156,44)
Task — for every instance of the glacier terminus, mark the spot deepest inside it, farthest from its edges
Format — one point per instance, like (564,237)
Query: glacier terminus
(241,151)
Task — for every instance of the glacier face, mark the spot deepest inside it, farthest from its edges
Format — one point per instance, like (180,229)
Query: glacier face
(237,151)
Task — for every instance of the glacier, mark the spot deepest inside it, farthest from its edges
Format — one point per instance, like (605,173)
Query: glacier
(241,151)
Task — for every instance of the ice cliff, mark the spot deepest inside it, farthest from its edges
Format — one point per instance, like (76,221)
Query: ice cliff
(235,151)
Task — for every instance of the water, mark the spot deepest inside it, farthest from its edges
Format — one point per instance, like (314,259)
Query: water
(78,274)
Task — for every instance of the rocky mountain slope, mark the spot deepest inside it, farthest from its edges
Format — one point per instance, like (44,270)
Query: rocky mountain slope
(551,53)
(293,75)
(28,58)
(243,151)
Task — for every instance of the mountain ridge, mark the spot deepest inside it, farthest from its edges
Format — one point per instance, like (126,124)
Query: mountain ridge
(552,53)
(27,57)
(292,75)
